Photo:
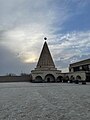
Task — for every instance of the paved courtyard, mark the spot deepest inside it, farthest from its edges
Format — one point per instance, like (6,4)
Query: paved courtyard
(44,101)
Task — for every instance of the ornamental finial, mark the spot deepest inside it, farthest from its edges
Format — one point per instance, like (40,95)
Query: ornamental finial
(45,38)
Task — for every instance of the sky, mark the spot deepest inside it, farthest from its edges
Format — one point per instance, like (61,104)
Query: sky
(24,24)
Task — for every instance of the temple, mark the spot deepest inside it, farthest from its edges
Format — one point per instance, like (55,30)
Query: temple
(45,70)
(45,61)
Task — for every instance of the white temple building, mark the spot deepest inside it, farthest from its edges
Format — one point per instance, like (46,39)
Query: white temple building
(45,70)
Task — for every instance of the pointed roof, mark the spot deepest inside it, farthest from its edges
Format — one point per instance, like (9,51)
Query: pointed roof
(45,60)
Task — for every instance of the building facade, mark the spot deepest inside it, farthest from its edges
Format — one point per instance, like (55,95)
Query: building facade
(46,71)
(82,68)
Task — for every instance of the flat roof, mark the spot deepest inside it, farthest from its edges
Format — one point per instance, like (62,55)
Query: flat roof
(82,62)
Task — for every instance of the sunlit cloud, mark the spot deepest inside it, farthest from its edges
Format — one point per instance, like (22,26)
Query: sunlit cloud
(23,44)
(25,39)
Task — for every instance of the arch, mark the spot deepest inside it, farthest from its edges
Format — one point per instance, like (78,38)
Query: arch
(49,78)
(78,77)
(66,79)
(38,79)
(72,79)
(59,79)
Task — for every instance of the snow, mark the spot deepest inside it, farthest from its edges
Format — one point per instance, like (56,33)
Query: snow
(44,101)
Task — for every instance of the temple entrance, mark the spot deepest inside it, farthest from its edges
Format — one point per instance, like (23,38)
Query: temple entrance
(38,79)
(88,77)
(78,77)
(49,78)
(59,79)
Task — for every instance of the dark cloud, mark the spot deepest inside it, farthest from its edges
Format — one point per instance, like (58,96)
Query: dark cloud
(10,63)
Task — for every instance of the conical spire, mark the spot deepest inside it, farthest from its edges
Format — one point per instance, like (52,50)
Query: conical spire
(45,60)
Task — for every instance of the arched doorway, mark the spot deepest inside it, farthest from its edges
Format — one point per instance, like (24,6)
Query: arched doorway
(49,78)
(38,79)
(87,77)
(72,79)
(78,77)
(66,79)
(59,79)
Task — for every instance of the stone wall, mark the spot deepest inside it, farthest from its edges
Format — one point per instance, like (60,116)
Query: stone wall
(44,73)
(82,74)
(14,78)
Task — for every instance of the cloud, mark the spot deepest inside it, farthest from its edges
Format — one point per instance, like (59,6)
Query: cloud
(65,48)
(10,63)
(24,24)
(32,21)
(32,11)
(73,40)
(70,47)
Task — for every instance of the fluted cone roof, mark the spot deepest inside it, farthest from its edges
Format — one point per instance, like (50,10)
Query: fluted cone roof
(45,60)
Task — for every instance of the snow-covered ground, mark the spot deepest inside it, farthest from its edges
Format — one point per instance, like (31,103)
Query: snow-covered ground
(44,101)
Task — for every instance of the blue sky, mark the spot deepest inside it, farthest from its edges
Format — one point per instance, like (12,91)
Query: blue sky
(24,24)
